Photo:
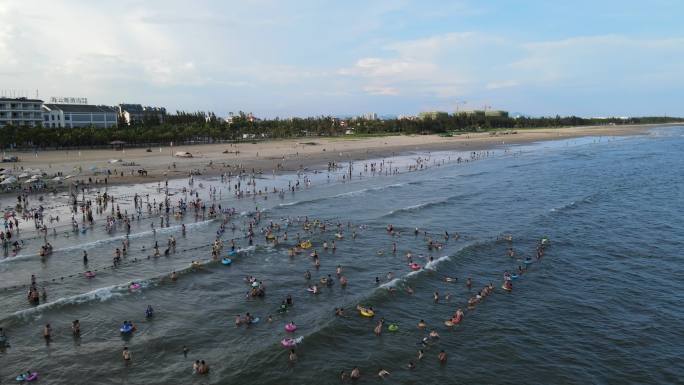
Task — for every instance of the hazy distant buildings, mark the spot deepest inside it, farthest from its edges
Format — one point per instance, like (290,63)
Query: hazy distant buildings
(433,115)
(137,114)
(370,116)
(485,113)
(78,115)
(20,112)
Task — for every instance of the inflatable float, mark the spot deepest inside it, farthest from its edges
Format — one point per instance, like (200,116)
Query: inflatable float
(367,313)
(226,261)
(290,327)
(506,288)
(305,245)
(28,377)
(393,327)
(232,253)
(291,342)
(89,274)
(134,286)
(414,266)
(125,329)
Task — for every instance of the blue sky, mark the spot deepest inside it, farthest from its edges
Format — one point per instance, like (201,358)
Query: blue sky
(301,58)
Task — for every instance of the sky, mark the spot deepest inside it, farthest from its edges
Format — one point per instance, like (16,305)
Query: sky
(282,58)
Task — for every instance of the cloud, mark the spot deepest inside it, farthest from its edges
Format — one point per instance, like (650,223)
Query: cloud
(381,90)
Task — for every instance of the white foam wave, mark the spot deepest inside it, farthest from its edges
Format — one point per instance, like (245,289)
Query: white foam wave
(99,242)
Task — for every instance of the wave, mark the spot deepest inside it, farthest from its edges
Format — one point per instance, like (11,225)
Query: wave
(344,194)
(425,205)
(591,198)
(107,293)
(99,242)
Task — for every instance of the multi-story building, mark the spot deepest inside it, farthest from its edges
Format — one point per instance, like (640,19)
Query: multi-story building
(370,116)
(78,115)
(136,113)
(20,112)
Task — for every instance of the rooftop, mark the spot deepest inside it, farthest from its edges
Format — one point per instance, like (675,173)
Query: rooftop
(80,108)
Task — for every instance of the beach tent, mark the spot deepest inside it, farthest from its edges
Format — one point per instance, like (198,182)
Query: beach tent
(6,171)
(9,180)
(57,179)
(183,154)
(112,161)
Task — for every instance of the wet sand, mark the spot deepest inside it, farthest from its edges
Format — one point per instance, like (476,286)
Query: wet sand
(289,154)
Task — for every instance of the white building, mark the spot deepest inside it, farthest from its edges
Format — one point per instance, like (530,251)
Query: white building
(78,115)
(20,112)
(370,116)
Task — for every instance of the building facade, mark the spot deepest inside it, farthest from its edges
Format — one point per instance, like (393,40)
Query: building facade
(137,114)
(20,112)
(78,115)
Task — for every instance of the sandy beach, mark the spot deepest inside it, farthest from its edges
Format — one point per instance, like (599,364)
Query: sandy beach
(279,155)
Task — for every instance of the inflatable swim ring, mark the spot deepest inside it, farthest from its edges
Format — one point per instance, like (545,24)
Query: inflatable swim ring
(393,328)
(528,261)
(305,245)
(414,266)
(89,274)
(288,342)
(290,327)
(27,377)
(324,280)
(506,288)
(514,276)
(448,323)
(367,312)
(255,320)
(226,261)
(232,253)
(134,286)
(125,329)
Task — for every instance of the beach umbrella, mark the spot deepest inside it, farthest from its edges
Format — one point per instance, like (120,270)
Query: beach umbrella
(6,171)
(57,179)
(93,168)
(36,176)
(68,176)
(23,175)
(9,180)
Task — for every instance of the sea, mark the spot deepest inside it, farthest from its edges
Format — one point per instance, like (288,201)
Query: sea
(602,306)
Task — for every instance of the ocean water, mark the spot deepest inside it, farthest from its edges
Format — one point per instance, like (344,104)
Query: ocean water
(602,306)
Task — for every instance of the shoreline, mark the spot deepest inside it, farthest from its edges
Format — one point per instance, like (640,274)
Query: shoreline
(281,156)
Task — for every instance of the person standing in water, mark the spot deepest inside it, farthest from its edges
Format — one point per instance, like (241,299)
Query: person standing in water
(126,354)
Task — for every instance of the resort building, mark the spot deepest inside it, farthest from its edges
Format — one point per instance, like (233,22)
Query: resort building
(20,112)
(78,115)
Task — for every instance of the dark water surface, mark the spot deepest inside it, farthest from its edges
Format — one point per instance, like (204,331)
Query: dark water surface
(603,306)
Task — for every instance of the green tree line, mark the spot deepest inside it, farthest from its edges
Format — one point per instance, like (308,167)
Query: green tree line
(203,127)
